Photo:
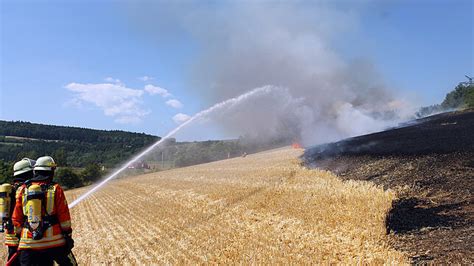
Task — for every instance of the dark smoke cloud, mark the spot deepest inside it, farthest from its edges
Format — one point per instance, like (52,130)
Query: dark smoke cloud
(320,97)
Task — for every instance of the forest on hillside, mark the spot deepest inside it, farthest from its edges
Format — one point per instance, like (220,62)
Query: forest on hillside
(77,151)
(70,146)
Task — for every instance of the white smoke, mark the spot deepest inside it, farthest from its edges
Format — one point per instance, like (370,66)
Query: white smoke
(244,45)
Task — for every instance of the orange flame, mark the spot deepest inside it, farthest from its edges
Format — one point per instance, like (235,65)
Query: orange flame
(296,145)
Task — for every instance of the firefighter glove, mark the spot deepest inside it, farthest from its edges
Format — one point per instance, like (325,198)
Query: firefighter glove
(69,241)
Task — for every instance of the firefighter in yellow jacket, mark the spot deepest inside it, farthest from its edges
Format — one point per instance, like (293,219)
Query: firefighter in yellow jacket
(22,171)
(42,212)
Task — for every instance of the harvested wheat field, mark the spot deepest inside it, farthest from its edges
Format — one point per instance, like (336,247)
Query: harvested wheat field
(264,208)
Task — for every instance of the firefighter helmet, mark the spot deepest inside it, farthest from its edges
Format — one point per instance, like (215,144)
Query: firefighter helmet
(45,163)
(23,166)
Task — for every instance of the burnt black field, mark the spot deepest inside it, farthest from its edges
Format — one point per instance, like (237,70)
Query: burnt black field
(430,163)
(440,134)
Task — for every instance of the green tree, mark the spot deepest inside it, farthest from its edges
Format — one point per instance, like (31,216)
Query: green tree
(6,172)
(91,173)
(461,97)
(469,100)
(60,157)
(67,178)
(458,97)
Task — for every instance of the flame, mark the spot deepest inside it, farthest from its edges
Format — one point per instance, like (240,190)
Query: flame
(296,145)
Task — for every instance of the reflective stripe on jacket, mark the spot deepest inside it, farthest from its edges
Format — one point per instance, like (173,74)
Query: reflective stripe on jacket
(55,205)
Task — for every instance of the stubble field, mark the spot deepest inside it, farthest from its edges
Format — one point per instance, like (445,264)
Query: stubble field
(264,208)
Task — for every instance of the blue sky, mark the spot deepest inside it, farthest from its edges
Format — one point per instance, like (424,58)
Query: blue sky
(60,61)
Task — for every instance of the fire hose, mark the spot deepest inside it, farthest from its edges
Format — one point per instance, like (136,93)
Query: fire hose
(13,258)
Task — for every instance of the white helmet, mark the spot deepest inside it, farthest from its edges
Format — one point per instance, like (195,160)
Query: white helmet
(45,163)
(23,166)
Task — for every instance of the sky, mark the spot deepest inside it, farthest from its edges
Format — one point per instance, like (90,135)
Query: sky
(117,65)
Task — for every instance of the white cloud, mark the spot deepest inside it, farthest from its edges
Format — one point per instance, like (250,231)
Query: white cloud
(152,90)
(146,78)
(112,80)
(174,103)
(181,118)
(115,100)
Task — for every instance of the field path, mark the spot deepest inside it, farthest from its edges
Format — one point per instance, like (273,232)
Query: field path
(264,208)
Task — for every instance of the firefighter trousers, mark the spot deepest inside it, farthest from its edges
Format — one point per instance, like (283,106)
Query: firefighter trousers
(11,252)
(60,255)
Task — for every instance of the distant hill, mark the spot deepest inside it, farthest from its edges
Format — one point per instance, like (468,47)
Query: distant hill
(83,154)
(70,146)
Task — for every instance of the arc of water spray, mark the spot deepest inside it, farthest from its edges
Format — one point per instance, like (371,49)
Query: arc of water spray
(232,101)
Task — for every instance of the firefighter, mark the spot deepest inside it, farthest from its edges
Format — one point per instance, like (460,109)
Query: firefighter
(22,171)
(42,212)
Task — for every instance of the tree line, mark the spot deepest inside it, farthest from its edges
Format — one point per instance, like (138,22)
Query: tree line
(79,152)
(461,97)
(73,134)
(69,146)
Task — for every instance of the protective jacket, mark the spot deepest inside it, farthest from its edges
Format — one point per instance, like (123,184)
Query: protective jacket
(11,238)
(55,216)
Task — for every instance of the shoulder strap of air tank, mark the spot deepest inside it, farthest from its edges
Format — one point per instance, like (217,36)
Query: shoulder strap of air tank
(52,184)
(28,183)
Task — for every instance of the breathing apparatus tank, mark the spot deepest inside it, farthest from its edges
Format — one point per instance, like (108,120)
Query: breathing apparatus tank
(5,205)
(34,221)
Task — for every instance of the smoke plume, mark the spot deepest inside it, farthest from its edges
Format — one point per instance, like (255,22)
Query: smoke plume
(320,95)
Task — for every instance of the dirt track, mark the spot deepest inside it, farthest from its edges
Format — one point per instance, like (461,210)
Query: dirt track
(431,164)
